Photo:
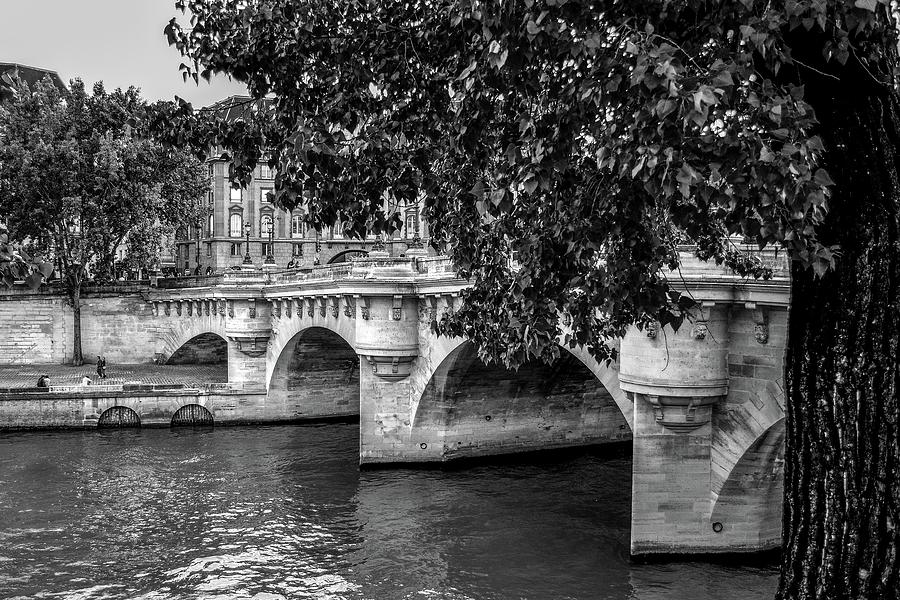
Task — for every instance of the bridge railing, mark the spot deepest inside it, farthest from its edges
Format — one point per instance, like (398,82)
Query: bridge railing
(65,389)
(435,265)
(323,273)
(776,259)
(195,281)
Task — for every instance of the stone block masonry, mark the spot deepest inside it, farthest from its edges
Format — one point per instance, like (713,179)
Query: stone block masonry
(34,329)
(37,327)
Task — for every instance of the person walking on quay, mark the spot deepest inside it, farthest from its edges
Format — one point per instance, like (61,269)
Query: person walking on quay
(101,367)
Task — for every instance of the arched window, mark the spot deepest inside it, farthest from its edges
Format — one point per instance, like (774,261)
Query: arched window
(265,225)
(210,226)
(297,226)
(410,224)
(236,225)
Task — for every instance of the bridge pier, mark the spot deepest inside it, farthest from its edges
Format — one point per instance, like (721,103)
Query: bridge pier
(387,341)
(248,329)
(679,382)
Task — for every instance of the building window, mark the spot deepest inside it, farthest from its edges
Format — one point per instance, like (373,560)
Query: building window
(264,195)
(237,194)
(236,225)
(210,226)
(297,250)
(235,249)
(266,172)
(208,248)
(210,170)
(297,226)
(265,225)
(266,248)
(410,224)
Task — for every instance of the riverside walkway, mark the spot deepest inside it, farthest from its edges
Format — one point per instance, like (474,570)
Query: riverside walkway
(26,376)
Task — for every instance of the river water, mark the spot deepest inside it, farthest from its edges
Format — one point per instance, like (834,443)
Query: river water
(284,512)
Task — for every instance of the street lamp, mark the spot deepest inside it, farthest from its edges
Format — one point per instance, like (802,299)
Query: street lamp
(316,260)
(416,242)
(199,226)
(270,255)
(248,262)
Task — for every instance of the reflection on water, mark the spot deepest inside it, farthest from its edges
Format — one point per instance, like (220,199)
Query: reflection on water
(284,512)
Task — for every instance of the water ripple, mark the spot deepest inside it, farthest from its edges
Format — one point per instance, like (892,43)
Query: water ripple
(283,512)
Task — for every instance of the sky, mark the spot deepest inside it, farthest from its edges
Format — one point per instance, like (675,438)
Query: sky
(120,42)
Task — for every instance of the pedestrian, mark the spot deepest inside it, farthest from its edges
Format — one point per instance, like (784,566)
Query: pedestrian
(103,358)
(43,381)
(99,366)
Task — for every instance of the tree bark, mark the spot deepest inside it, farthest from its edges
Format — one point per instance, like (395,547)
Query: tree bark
(842,465)
(75,297)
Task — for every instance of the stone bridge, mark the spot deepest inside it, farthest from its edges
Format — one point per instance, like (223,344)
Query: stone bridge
(703,407)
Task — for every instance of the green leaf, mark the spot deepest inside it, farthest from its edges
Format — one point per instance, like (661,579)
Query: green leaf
(823,178)
(34,280)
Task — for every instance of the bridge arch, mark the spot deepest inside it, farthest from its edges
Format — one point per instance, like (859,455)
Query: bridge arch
(187,332)
(753,489)
(202,349)
(346,255)
(315,374)
(473,406)
(286,330)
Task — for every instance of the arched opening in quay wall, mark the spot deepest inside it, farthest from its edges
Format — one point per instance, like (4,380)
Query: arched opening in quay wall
(480,409)
(192,415)
(119,417)
(316,376)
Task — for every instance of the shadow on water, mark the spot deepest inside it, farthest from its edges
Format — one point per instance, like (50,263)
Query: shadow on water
(285,512)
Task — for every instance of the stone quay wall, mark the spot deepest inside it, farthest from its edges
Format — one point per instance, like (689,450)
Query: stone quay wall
(116,322)
(82,408)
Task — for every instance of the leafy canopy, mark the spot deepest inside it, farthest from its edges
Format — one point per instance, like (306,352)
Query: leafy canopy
(76,179)
(589,138)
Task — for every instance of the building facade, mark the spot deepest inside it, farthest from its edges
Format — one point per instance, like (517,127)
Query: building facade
(238,221)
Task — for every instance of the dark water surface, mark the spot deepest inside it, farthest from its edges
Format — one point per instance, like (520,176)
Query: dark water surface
(284,512)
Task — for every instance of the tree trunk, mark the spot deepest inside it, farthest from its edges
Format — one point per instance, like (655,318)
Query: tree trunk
(842,465)
(75,297)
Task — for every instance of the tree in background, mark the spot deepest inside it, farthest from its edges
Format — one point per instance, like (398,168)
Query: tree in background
(76,179)
(17,265)
(589,138)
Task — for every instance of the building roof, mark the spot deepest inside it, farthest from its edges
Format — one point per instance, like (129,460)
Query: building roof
(9,72)
(235,108)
